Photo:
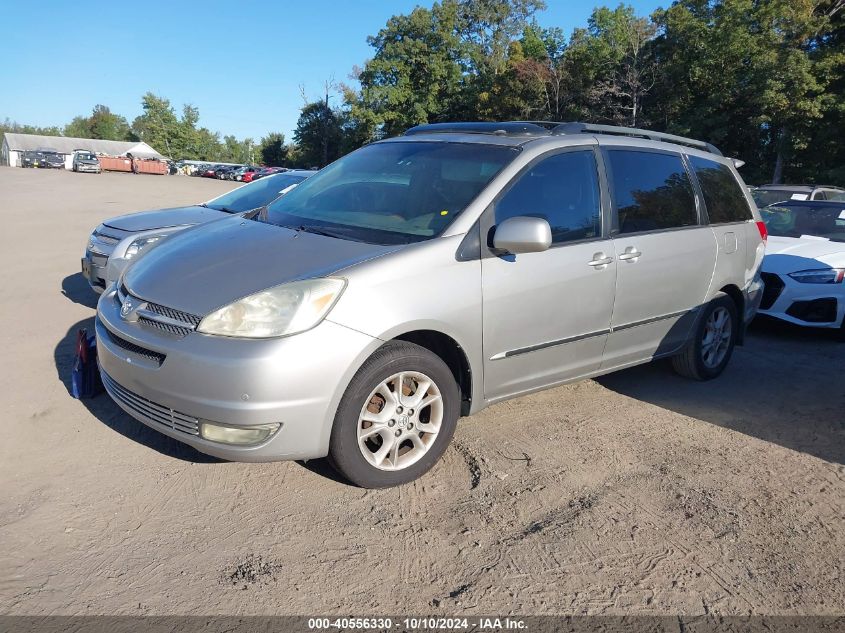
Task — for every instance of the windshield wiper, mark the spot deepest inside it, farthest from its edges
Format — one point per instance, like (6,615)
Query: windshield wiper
(317,231)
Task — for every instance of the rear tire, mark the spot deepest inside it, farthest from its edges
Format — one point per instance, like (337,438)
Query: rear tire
(384,435)
(713,341)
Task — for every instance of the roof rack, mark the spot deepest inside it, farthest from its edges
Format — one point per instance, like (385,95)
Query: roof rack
(582,128)
(507,128)
(546,128)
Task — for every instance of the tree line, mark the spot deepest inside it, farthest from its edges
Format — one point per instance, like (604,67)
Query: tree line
(764,80)
(176,136)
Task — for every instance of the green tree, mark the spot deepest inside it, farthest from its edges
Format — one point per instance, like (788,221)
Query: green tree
(318,134)
(104,124)
(79,127)
(273,150)
(158,126)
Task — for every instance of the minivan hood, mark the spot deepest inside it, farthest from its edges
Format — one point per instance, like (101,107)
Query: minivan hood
(205,268)
(165,218)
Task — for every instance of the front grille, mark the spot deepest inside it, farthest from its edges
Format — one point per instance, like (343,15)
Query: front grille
(772,287)
(111,240)
(135,349)
(165,327)
(177,315)
(150,411)
(161,317)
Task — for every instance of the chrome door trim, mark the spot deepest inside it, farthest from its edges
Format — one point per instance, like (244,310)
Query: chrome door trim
(539,346)
(662,317)
(581,337)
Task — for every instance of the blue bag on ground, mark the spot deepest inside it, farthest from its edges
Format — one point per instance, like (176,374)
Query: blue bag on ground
(85,380)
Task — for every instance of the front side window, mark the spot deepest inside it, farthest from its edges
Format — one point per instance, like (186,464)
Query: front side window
(562,189)
(392,193)
(723,195)
(651,191)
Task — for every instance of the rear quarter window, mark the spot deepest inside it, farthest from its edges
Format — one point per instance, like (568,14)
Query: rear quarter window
(723,195)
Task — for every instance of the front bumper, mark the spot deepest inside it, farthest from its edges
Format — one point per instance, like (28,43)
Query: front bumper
(94,267)
(296,381)
(809,305)
(89,168)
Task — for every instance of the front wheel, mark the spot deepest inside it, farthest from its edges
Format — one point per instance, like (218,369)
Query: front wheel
(396,418)
(712,345)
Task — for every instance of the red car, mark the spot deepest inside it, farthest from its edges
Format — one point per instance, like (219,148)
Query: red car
(267,171)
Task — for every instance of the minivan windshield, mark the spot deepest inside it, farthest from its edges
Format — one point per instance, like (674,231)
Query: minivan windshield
(793,220)
(255,194)
(391,193)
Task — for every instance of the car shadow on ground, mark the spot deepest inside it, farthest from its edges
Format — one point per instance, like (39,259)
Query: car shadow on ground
(783,386)
(75,287)
(106,411)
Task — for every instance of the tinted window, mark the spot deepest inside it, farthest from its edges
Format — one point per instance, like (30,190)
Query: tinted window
(651,191)
(722,193)
(562,189)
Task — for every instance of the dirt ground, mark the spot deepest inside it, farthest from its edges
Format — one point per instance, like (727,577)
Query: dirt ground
(636,493)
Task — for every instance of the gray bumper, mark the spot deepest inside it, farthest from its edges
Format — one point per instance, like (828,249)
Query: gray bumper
(296,381)
(753,296)
(94,267)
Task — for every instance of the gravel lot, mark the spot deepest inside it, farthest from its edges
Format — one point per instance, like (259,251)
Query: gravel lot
(636,493)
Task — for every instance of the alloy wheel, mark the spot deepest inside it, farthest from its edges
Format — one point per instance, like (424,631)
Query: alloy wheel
(400,420)
(718,331)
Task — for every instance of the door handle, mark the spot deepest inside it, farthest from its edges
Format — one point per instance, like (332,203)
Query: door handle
(630,254)
(600,260)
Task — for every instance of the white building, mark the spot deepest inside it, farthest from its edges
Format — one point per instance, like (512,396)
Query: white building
(15,144)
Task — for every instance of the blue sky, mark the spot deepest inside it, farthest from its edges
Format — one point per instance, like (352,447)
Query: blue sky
(240,63)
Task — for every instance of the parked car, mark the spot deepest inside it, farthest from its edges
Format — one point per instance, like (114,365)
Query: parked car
(804,267)
(239,174)
(428,276)
(222,170)
(85,161)
(266,171)
(32,159)
(53,160)
(117,241)
(764,195)
(210,171)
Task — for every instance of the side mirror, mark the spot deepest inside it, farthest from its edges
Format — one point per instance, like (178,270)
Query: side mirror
(523,234)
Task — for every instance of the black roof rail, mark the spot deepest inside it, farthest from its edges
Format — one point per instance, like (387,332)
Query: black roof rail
(546,128)
(507,128)
(586,128)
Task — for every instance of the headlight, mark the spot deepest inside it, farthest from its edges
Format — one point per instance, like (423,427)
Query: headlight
(140,244)
(821,276)
(287,309)
(242,435)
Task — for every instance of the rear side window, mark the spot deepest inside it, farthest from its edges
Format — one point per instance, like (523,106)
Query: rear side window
(651,191)
(562,189)
(722,193)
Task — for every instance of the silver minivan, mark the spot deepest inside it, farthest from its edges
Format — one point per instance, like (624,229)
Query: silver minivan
(425,277)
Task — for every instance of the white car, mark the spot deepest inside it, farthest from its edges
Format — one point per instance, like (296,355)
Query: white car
(804,267)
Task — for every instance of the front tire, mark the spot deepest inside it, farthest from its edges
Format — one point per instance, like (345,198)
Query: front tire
(396,418)
(713,342)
